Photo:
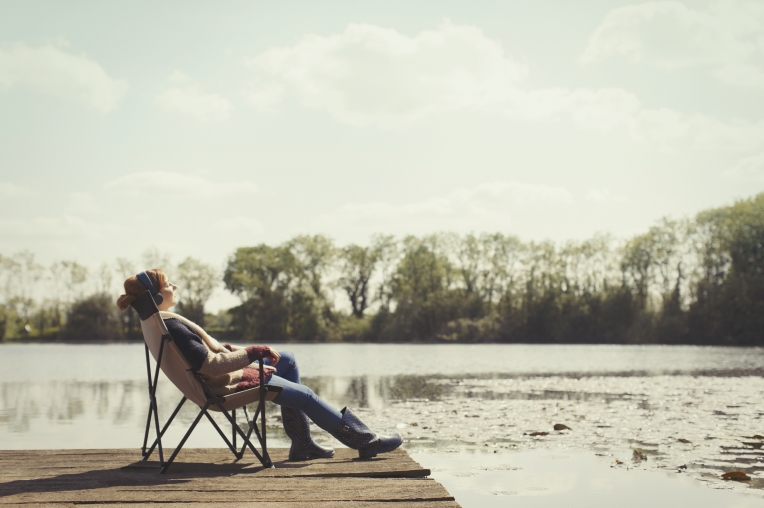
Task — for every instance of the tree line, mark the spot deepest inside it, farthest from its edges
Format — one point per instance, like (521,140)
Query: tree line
(698,280)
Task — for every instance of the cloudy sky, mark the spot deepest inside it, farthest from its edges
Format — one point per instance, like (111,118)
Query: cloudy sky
(198,127)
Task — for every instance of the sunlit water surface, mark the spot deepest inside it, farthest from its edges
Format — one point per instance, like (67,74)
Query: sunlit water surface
(481,417)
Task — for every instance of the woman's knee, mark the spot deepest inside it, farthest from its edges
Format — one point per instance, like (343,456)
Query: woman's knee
(287,357)
(295,396)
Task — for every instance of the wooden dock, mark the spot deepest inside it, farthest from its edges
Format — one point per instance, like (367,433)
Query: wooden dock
(211,477)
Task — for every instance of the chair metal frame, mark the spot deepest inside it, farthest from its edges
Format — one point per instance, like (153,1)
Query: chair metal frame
(146,307)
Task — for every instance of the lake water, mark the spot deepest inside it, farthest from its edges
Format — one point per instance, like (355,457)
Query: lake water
(481,416)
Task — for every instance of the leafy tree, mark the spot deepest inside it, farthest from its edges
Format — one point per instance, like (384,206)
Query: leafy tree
(357,266)
(197,282)
(314,256)
(68,280)
(94,318)
(126,269)
(422,289)
(154,258)
(388,253)
(263,277)
(730,297)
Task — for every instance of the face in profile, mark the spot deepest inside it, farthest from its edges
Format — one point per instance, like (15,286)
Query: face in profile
(169,293)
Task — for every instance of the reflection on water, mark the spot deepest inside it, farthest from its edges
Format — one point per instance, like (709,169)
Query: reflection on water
(24,406)
(569,478)
(703,419)
(56,362)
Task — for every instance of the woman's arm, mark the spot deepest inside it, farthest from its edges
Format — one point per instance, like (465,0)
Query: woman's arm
(217,364)
(272,354)
(212,363)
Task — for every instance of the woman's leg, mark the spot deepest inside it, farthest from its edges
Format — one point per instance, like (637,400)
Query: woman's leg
(297,403)
(295,421)
(287,367)
(298,396)
(344,425)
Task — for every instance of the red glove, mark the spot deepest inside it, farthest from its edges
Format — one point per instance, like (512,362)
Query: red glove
(257,352)
(250,378)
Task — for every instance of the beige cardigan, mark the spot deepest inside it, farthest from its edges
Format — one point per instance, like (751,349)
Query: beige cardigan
(223,370)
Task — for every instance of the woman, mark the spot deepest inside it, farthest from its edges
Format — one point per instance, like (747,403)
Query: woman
(226,370)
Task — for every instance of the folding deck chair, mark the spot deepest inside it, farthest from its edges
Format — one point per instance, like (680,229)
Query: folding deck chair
(174,365)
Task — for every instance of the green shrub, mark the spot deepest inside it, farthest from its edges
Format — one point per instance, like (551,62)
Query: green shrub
(94,318)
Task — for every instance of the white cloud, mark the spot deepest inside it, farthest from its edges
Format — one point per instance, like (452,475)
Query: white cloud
(150,183)
(374,75)
(239,225)
(605,196)
(188,99)
(178,77)
(81,202)
(63,227)
(10,190)
(749,169)
(511,193)
(370,75)
(263,95)
(726,36)
(491,205)
(52,71)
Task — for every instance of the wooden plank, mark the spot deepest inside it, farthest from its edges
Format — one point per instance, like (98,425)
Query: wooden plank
(210,477)
(237,483)
(214,462)
(256,504)
(234,483)
(386,491)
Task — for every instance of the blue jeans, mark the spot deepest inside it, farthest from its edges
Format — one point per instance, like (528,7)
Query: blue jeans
(298,396)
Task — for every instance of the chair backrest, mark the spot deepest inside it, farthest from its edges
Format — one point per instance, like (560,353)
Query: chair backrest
(174,364)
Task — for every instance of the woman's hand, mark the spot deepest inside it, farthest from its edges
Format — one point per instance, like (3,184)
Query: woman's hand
(273,355)
(256,352)
(268,370)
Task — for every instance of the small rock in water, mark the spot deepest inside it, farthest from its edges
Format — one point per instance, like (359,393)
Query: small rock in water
(638,456)
(738,476)
(757,436)
(682,440)
(560,426)
(538,433)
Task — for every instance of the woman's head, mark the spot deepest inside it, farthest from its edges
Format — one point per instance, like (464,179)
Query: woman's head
(135,288)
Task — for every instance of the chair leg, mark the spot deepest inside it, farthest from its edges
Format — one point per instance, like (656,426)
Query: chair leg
(265,461)
(164,466)
(233,432)
(222,434)
(146,434)
(244,446)
(260,413)
(146,454)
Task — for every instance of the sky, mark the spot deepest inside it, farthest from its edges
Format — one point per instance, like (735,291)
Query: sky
(195,128)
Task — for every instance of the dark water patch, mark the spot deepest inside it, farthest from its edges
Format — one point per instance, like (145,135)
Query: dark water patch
(722,373)
(360,391)
(561,395)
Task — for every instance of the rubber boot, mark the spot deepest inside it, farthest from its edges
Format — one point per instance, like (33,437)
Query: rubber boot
(354,434)
(297,427)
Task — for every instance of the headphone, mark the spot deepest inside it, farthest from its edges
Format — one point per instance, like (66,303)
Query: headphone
(146,280)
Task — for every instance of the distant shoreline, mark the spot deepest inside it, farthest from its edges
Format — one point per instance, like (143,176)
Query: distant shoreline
(48,341)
